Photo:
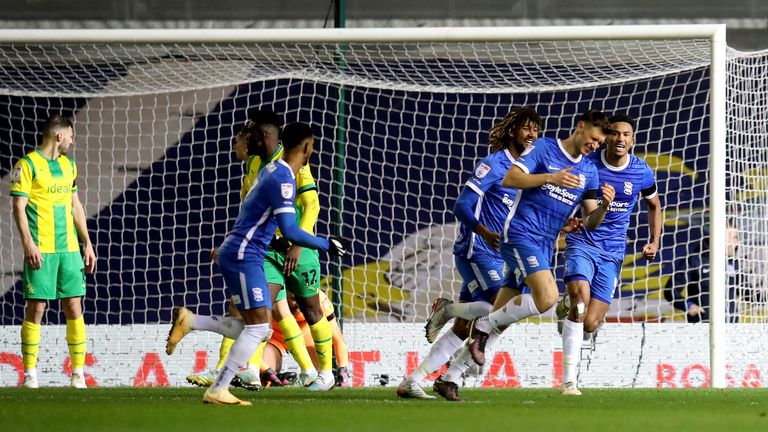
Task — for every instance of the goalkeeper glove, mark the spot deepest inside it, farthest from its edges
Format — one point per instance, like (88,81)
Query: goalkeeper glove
(338,246)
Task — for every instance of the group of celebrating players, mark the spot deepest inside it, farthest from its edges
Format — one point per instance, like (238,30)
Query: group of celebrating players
(512,210)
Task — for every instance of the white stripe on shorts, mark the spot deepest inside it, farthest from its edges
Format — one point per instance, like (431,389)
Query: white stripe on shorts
(244,291)
(479,276)
(520,263)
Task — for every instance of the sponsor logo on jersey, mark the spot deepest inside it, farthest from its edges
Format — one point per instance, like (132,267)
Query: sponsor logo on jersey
(559,193)
(286,189)
(482,170)
(553,168)
(59,189)
(271,167)
(507,201)
(627,188)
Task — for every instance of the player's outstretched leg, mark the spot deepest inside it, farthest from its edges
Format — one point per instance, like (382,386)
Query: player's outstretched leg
(437,318)
(181,325)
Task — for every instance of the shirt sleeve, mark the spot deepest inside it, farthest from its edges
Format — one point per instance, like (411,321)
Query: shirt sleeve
(649,188)
(593,181)
(485,175)
(281,190)
(74,175)
(21,178)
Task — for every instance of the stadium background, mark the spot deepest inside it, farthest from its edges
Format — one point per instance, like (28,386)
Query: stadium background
(132,295)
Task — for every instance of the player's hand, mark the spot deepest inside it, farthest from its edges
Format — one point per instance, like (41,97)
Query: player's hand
(214,255)
(338,246)
(291,259)
(565,179)
(694,310)
(32,256)
(649,251)
(609,193)
(492,239)
(279,244)
(572,225)
(89,259)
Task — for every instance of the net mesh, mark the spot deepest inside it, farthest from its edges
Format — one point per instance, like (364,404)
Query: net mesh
(154,125)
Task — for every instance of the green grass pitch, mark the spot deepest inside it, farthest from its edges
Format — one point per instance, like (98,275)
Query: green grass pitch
(379,409)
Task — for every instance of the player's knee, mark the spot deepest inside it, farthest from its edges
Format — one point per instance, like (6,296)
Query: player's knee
(591,325)
(34,311)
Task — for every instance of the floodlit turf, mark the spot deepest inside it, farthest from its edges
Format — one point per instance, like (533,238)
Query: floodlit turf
(379,409)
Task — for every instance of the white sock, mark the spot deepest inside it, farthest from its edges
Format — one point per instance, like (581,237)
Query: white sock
(242,350)
(225,326)
(441,351)
(463,361)
(77,371)
(30,372)
(468,311)
(509,314)
(573,334)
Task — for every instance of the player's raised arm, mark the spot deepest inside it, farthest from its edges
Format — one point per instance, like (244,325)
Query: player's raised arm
(521,174)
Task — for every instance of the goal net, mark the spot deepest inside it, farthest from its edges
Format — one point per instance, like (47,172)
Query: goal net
(399,128)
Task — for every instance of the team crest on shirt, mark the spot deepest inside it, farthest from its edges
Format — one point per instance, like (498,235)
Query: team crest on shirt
(482,170)
(16,175)
(627,188)
(286,189)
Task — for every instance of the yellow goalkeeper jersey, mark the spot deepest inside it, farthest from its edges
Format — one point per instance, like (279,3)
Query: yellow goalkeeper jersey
(48,184)
(304,179)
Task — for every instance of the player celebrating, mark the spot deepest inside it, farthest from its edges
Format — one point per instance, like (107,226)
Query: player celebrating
(554,177)
(269,203)
(263,127)
(50,218)
(594,258)
(481,208)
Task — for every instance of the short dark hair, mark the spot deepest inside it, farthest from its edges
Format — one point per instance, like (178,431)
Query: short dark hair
(55,123)
(265,117)
(622,118)
(294,134)
(257,119)
(514,120)
(597,118)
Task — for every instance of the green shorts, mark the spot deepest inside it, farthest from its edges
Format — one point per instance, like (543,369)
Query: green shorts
(61,276)
(304,281)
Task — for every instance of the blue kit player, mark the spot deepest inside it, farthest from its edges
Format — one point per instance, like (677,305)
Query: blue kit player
(594,258)
(555,178)
(481,208)
(269,204)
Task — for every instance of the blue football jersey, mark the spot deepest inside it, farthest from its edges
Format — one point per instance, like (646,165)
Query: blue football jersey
(633,179)
(539,213)
(272,193)
(493,206)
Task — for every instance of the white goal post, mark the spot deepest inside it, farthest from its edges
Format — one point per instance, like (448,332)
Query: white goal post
(304,55)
